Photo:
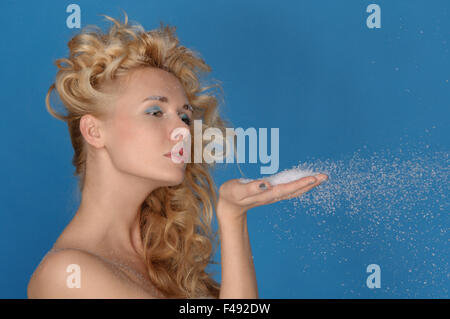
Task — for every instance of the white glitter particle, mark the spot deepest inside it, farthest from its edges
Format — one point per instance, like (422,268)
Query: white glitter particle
(283,177)
(391,206)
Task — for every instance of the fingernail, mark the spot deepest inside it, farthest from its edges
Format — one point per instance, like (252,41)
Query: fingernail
(262,186)
(312,182)
(323,178)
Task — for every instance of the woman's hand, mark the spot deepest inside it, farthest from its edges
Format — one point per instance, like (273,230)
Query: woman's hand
(235,198)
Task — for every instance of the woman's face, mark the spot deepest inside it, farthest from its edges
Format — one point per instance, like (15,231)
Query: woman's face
(139,128)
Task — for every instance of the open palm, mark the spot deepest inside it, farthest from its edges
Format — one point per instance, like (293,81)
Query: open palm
(241,197)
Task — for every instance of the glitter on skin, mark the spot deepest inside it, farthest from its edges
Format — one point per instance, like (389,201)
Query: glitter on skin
(284,177)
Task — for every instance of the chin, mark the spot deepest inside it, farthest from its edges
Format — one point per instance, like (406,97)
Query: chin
(173,183)
(173,180)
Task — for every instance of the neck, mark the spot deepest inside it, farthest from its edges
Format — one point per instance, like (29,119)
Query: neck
(110,206)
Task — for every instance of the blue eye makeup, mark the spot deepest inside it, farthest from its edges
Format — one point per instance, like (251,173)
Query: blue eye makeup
(154,110)
(186,119)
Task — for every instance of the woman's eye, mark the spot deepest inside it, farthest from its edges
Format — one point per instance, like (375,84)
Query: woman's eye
(159,113)
(186,119)
(155,112)
(188,107)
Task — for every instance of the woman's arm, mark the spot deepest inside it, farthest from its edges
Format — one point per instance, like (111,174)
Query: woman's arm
(235,199)
(238,271)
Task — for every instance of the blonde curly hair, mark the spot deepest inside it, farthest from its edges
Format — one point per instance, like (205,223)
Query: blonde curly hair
(175,221)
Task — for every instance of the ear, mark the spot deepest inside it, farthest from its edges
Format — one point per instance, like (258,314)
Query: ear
(91,129)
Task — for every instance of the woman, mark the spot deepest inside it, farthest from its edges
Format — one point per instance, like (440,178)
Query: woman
(143,227)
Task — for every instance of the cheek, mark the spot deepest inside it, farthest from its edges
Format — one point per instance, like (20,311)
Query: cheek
(124,133)
(135,144)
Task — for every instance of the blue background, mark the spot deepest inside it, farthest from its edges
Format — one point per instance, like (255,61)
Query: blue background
(311,68)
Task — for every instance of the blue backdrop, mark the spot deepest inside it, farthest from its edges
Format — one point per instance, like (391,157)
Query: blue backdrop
(313,69)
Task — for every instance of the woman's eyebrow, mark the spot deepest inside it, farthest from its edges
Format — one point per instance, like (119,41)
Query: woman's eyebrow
(160,98)
(156,97)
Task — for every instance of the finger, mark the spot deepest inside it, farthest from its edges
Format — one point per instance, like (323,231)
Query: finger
(290,188)
(306,188)
(245,190)
(280,190)
(298,192)
(257,187)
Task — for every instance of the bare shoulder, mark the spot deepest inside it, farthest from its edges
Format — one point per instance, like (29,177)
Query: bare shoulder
(76,274)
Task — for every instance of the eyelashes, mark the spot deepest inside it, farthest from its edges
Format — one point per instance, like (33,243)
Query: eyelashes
(188,107)
(186,119)
(156,111)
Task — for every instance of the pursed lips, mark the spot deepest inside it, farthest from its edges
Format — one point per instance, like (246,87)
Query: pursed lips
(169,154)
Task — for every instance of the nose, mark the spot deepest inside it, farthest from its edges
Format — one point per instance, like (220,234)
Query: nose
(178,134)
(174,121)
